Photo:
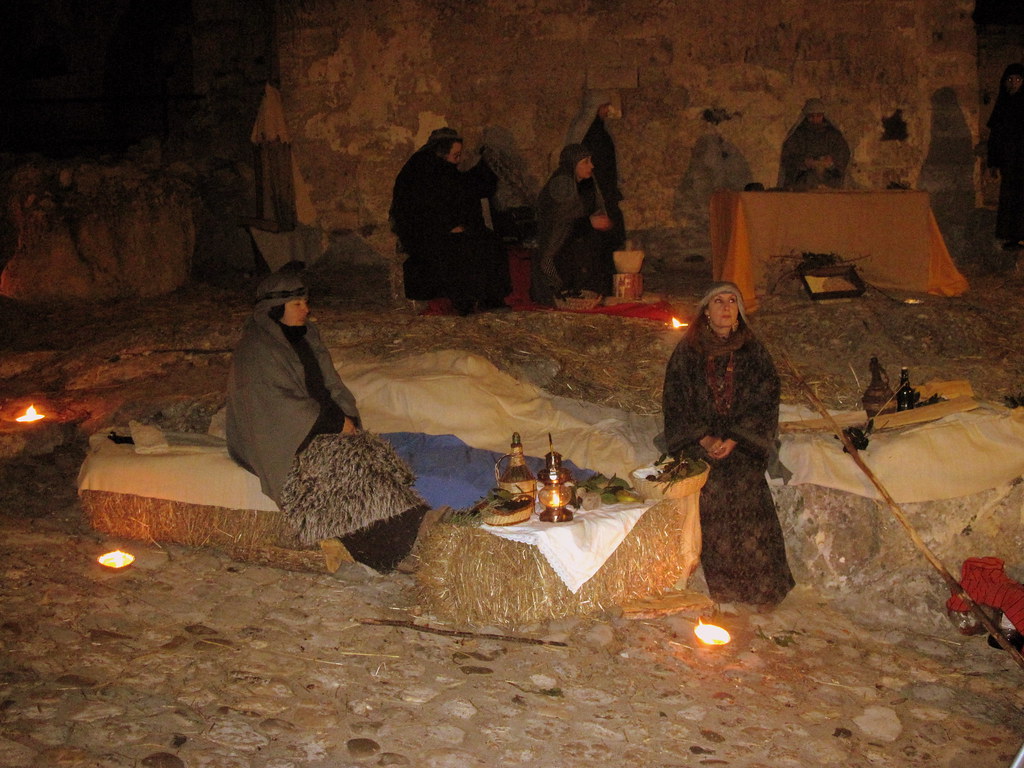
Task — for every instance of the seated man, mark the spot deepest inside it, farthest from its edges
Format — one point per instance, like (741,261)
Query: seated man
(814,154)
(436,214)
(571,216)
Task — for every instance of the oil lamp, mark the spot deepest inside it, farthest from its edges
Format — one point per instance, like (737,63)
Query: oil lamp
(556,489)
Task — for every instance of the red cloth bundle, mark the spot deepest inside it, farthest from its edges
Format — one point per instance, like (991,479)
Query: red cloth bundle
(985,581)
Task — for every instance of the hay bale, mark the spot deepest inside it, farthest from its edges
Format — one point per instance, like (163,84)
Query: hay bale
(244,534)
(470,576)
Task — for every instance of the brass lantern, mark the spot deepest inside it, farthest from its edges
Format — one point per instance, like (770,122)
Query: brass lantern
(556,489)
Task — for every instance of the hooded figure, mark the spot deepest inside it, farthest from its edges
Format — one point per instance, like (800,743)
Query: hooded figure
(721,404)
(814,153)
(590,129)
(436,213)
(270,409)
(1006,155)
(571,216)
(294,424)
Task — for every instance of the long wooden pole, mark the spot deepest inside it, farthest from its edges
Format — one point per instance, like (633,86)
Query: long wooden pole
(951,582)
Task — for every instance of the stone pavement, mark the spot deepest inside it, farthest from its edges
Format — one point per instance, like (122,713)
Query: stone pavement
(187,658)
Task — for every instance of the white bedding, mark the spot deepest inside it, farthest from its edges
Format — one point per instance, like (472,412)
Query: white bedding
(453,392)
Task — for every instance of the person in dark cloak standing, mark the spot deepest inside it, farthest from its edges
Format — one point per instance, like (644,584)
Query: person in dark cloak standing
(590,129)
(721,403)
(814,153)
(1006,156)
(437,216)
(571,218)
(293,423)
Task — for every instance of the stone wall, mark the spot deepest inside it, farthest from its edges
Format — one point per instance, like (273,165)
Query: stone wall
(854,550)
(708,92)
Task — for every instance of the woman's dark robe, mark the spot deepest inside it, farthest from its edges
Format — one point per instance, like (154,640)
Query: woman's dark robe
(743,554)
(1006,152)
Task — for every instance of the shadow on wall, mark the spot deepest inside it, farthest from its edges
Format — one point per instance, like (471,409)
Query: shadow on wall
(714,164)
(948,175)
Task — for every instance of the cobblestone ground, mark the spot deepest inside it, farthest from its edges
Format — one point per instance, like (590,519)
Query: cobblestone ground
(187,658)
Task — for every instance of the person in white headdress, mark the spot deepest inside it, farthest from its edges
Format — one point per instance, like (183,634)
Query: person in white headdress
(814,154)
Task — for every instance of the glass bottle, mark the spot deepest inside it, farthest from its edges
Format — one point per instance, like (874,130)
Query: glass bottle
(516,478)
(905,393)
(878,397)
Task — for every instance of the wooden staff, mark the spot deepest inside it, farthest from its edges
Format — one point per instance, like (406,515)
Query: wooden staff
(951,582)
(459,633)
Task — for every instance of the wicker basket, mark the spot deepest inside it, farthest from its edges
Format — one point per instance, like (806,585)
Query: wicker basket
(588,300)
(521,514)
(676,490)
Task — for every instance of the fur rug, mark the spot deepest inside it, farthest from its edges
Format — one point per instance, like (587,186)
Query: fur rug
(342,483)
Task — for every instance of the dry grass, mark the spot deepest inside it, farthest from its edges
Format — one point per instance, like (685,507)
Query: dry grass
(244,534)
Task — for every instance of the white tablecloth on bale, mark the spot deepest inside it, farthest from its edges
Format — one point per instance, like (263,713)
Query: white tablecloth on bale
(958,455)
(577,549)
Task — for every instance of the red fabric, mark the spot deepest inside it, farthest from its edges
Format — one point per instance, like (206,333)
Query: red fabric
(439,307)
(984,580)
(519,299)
(519,273)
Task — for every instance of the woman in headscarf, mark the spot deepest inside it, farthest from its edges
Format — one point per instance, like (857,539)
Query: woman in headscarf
(814,154)
(1006,156)
(293,423)
(721,403)
(570,219)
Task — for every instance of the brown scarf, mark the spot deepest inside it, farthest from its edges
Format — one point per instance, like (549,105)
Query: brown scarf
(718,373)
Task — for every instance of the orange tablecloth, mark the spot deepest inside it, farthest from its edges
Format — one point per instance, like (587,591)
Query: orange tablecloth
(891,235)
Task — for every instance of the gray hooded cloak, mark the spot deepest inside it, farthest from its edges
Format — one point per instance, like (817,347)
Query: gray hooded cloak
(269,409)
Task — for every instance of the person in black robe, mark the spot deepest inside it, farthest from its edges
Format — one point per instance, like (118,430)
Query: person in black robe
(571,218)
(437,216)
(721,403)
(1006,156)
(591,130)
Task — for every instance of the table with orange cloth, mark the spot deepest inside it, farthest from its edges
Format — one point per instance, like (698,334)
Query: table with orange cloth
(890,235)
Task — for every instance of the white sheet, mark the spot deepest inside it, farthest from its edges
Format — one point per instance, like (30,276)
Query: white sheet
(200,472)
(454,392)
(958,455)
(577,549)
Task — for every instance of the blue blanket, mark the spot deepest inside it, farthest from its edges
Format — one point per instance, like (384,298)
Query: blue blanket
(451,473)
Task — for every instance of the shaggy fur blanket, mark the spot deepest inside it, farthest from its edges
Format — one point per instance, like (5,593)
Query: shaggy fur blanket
(342,483)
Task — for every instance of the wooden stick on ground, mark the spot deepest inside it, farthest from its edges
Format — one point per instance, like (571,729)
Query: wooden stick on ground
(457,633)
(951,582)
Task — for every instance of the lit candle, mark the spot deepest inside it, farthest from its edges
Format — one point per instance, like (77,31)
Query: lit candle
(710,634)
(116,559)
(30,415)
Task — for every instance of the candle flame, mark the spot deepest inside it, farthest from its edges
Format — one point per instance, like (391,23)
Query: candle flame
(30,415)
(116,559)
(711,634)
(677,323)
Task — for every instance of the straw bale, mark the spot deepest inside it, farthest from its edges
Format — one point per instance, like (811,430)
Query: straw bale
(470,576)
(244,534)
